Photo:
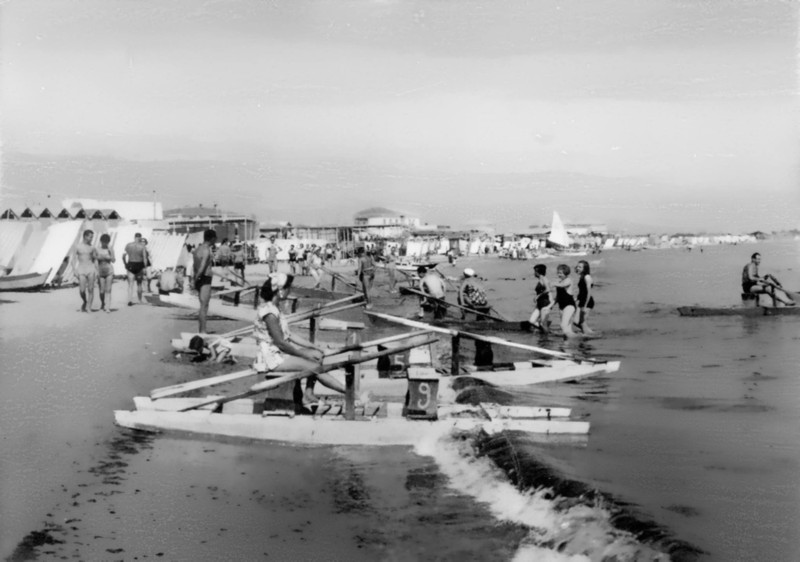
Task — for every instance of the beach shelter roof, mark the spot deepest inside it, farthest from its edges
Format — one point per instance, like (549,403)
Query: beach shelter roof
(128,210)
(9,214)
(65,214)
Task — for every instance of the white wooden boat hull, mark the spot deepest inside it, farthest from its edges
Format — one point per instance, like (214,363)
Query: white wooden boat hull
(334,430)
(526,374)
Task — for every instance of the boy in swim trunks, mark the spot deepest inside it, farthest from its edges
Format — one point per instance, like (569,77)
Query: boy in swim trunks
(135,259)
(201,280)
(86,269)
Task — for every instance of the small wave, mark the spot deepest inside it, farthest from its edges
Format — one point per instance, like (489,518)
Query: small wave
(566,519)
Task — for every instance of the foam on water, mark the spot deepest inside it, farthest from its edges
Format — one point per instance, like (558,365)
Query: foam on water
(560,528)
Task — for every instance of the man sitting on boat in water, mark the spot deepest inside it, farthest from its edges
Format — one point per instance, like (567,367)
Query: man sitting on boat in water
(280,349)
(755,284)
(472,295)
(432,284)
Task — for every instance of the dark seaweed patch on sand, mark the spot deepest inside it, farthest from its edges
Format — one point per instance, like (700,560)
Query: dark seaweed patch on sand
(28,547)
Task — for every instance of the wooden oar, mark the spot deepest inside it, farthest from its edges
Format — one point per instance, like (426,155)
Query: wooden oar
(413,340)
(240,290)
(375,343)
(165,391)
(471,336)
(444,302)
(276,382)
(340,277)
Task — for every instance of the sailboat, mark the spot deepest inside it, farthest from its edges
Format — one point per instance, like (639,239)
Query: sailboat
(559,238)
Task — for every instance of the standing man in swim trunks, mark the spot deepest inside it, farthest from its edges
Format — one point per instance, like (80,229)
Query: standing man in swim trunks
(86,269)
(135,259)
(201,280)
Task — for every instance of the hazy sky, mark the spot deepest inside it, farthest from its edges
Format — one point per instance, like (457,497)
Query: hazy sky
(670,114)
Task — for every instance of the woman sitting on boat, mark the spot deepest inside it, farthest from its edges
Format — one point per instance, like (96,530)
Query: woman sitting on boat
(542,299)
(280,349)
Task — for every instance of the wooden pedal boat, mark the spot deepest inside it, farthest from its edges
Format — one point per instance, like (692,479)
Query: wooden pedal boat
(384,424)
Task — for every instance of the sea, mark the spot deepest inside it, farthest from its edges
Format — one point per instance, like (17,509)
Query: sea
(693,453)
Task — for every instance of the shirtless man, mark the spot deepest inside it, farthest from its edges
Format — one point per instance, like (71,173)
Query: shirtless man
(135,259)
(753,283)
(431,283)
(86,269)
(201,280)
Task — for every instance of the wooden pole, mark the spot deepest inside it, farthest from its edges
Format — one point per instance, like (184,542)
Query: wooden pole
(352,374)
(455,361)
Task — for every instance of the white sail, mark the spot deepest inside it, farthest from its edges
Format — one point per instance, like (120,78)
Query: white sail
(558,234)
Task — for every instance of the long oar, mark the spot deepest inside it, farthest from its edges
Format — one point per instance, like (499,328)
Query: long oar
(180,388)
(449,304)
(375,343)
(320,310)
(340,277)
(468,335)
(276,382)
(165,391)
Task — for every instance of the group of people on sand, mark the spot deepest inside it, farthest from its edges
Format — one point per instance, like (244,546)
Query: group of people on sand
(95,266)
(575,300)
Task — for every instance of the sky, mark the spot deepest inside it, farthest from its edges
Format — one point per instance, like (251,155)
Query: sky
(643,115)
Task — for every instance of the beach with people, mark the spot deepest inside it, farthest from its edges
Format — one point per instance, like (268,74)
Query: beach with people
(697,422)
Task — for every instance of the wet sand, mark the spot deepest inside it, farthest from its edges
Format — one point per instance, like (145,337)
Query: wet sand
(75,486)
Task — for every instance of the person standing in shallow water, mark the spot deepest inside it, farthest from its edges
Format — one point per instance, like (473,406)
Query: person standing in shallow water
(542,301)
(105,271)
(564,299)
(86,269)
(585,299)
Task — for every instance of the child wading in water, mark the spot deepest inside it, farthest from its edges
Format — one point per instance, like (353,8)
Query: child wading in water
(564,299)
(585,298)
(542,301)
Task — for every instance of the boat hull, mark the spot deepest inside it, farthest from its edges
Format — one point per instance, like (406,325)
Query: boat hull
(325,431)
(753,311)
(27,282)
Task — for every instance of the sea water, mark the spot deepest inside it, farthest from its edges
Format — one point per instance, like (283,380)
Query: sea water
(693,451)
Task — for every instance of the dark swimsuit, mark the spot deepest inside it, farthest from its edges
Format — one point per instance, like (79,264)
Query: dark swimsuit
(583,292)
(202,280)
(563,298)
(747,283)
(542,296)
(135,267)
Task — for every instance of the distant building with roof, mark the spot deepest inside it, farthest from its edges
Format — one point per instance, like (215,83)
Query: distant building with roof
(227,224)
(381,216)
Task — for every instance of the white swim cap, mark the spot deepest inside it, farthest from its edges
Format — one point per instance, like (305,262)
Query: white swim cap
(469,272)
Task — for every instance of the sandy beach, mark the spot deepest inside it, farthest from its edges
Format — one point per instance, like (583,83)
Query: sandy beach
(698,422)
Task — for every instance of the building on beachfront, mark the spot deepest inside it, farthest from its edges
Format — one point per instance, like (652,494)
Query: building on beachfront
(227,224)
(381,216)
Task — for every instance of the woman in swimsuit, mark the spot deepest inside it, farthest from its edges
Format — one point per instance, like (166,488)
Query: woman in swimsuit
(279,348)
(585,298)
(542,300)
(564,299)
(105,271)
